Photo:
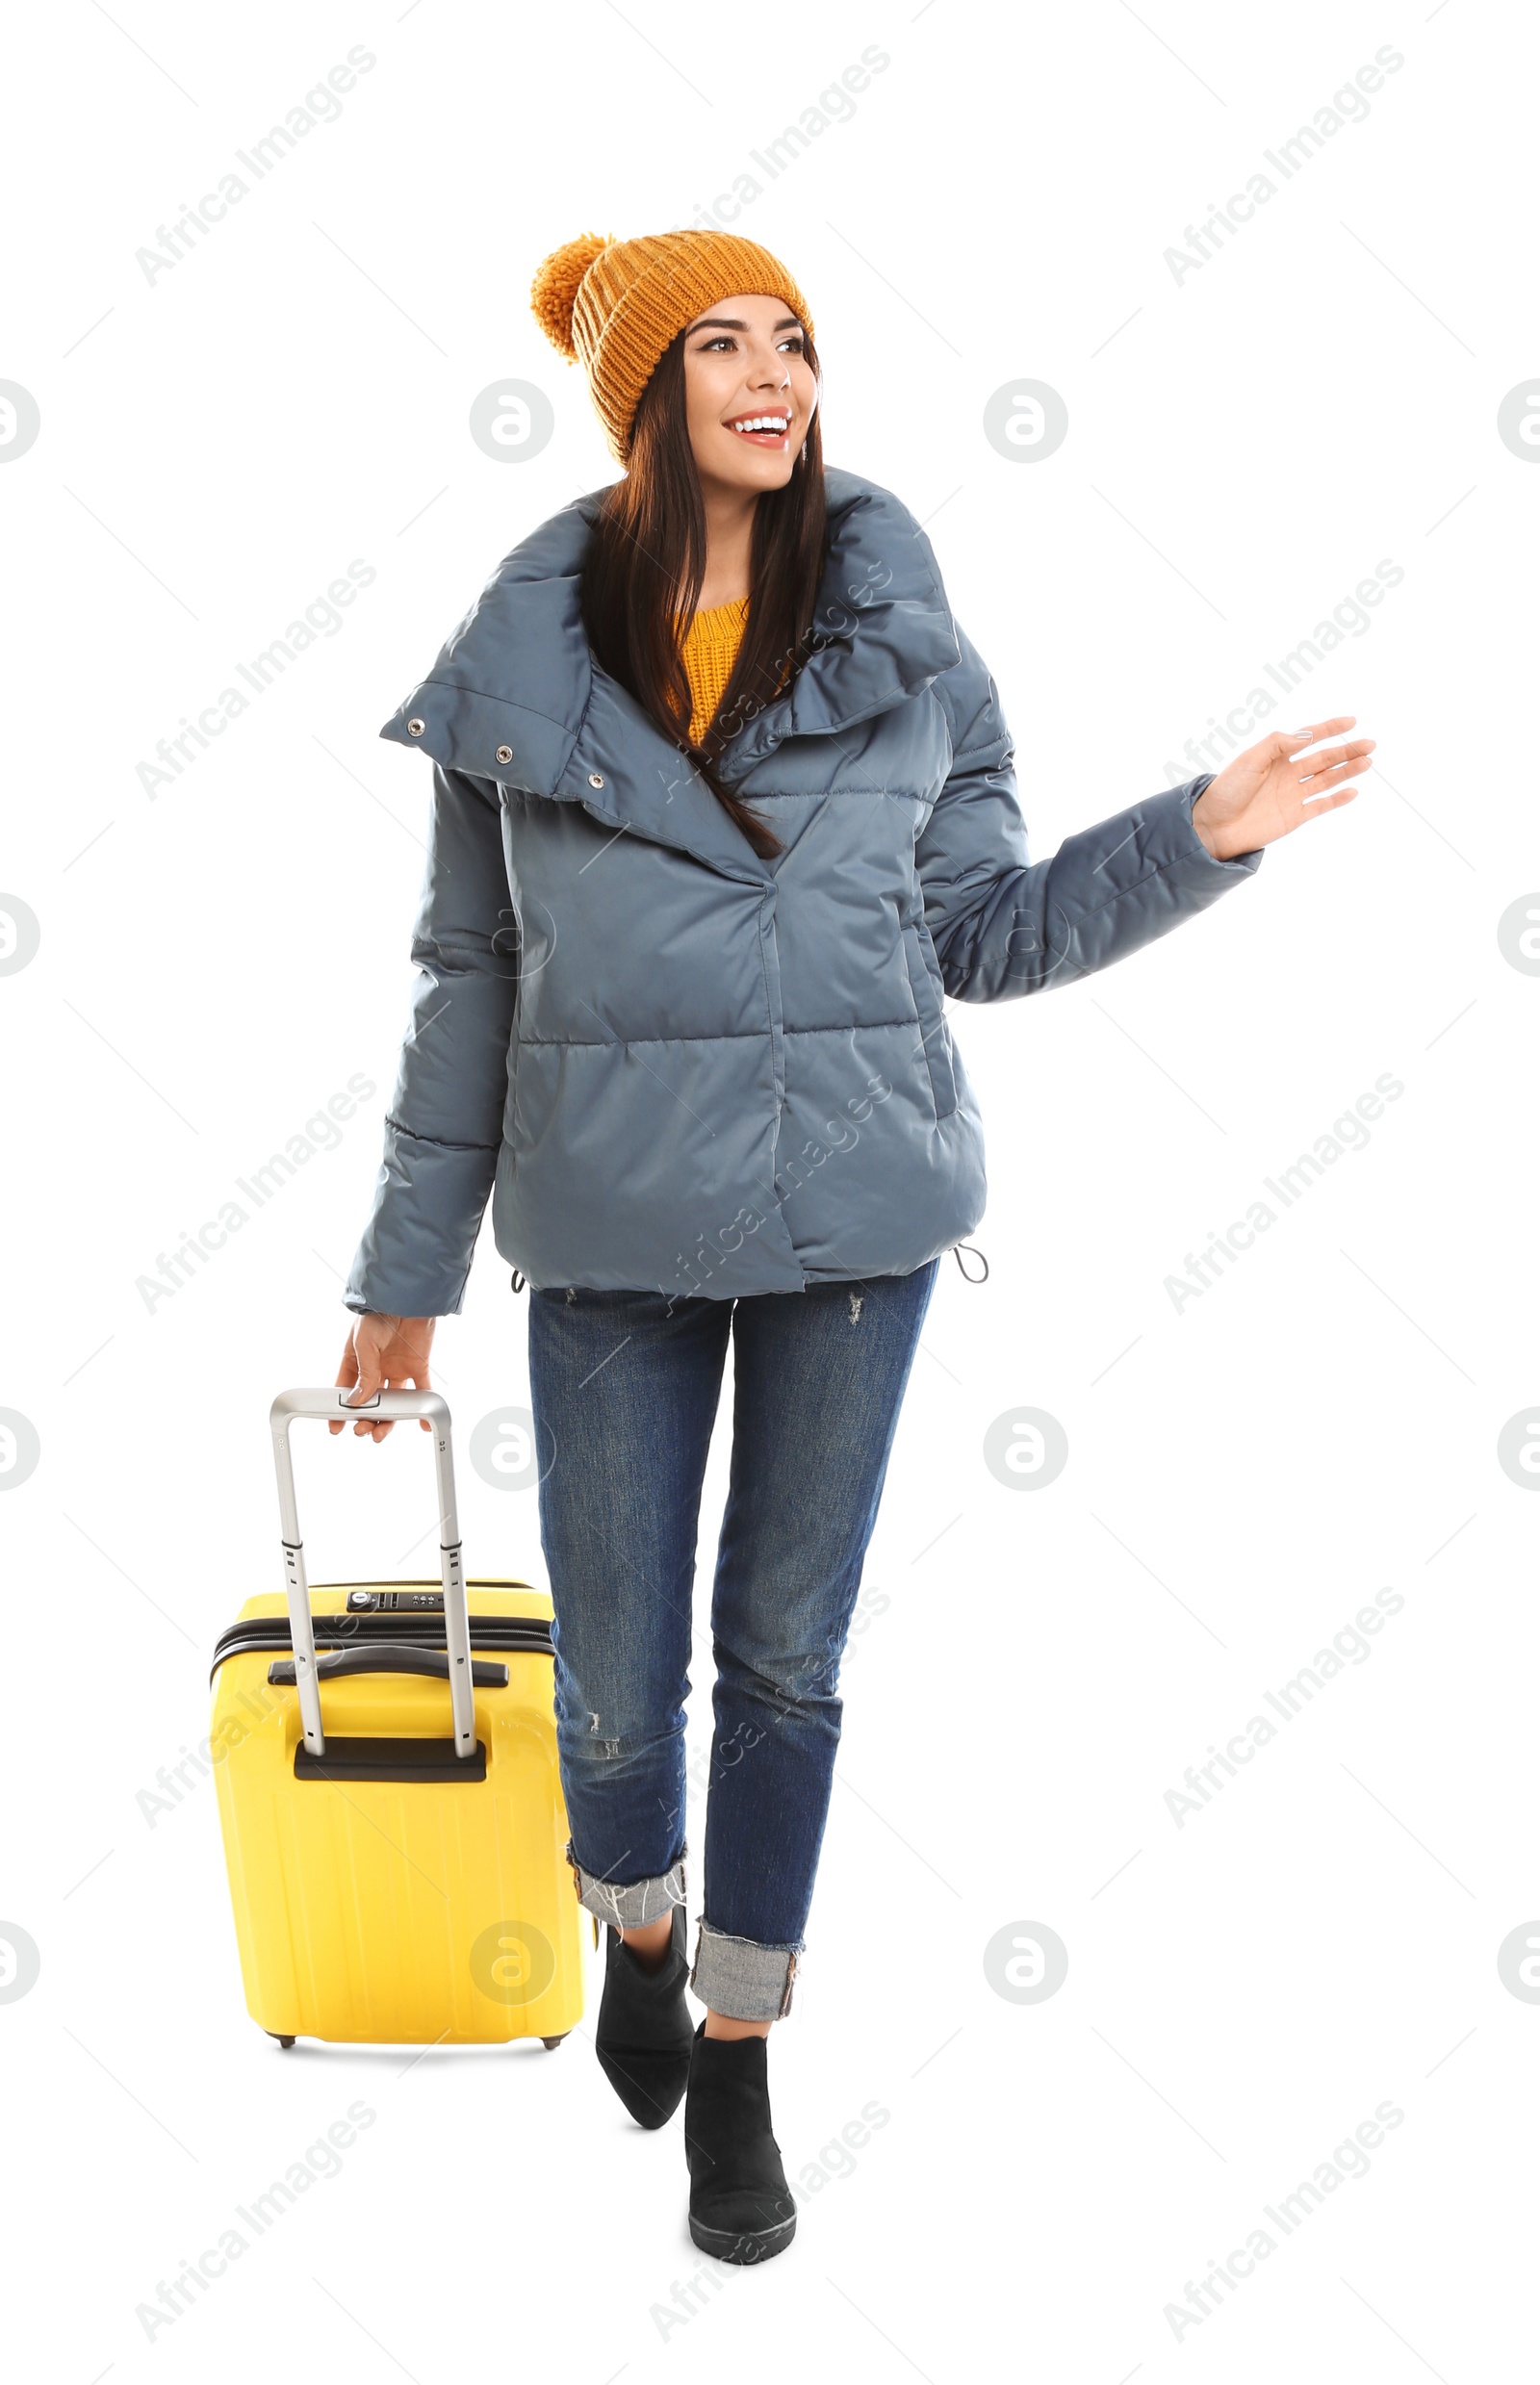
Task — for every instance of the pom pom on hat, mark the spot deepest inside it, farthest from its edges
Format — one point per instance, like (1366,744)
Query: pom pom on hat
(553,290)
(613,305)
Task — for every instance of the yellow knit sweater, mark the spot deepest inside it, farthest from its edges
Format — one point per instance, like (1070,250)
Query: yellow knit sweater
(710,648)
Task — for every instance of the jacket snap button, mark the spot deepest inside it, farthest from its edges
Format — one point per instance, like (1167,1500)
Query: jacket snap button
(504,753)
(415,729)
(596,777)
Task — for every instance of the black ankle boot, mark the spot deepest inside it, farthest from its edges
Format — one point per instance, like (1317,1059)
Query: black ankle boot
(642,2036)
(740,2204)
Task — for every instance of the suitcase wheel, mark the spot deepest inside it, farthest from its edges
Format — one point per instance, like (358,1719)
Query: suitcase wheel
(285,2043)
(550,2043)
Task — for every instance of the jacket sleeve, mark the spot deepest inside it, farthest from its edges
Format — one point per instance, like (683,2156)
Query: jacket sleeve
(1003,925)
(443,1129)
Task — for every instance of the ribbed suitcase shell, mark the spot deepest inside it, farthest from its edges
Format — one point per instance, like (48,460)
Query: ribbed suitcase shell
(400,1912)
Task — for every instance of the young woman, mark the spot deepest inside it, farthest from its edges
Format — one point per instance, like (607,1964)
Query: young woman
(723,804)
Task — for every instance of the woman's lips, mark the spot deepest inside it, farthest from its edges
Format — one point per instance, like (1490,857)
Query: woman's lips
(760,437)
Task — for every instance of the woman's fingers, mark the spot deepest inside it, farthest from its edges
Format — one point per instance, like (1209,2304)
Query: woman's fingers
(376,1360)
(1332,802)
(347,1375)
(1321,729)
(362,1375)
(1320,781)
(371,1378)
(395,1370)
(1329,769)
(1328,758)
(1326,792)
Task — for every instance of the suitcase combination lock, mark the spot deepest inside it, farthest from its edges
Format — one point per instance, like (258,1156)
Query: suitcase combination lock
(389,1602)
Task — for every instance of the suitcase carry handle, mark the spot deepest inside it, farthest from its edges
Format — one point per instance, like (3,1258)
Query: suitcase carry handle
(332,1402)
(387,1657)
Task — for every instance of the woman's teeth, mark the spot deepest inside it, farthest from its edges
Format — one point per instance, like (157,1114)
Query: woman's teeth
(762,425)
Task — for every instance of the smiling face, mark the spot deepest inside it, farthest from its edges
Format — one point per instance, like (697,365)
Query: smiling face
(749,392)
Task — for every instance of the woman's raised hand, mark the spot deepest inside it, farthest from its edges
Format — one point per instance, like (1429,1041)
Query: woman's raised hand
(1276,786)
(385,1354)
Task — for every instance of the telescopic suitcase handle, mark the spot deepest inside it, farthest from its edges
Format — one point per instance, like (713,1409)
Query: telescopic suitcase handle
(332,1402)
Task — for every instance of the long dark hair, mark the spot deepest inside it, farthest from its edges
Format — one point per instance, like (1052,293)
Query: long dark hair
(647,559)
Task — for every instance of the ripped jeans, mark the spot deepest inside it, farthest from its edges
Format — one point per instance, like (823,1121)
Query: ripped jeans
(624,1387)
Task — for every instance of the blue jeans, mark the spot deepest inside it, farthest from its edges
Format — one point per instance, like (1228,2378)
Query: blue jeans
(624,1387)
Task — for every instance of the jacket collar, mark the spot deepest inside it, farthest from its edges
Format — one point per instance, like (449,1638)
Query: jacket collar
(884,626)
(515,693)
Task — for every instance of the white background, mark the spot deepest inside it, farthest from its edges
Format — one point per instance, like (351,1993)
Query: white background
(1245,1474)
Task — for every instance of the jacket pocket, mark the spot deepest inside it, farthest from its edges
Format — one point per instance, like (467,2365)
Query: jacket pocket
(925,987)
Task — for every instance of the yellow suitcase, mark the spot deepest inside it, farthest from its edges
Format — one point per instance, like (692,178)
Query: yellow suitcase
(385,1757)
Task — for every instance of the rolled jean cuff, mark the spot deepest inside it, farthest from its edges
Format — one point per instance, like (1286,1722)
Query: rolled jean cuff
(739,1978)
(637,1901)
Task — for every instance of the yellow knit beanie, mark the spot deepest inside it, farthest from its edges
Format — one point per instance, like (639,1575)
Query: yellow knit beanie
(613,306)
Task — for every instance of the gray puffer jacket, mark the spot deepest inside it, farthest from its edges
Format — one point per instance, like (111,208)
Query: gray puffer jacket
(678,1067)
